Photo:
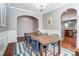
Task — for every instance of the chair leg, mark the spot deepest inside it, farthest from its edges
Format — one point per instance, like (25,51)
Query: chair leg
(28,48)
(37,54)
(37,50)
(31,52)
(46,51)
(54,50)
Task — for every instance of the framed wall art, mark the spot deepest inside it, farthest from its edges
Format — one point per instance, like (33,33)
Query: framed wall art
(49,20)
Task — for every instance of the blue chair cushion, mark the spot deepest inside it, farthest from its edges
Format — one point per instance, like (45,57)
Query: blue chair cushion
(36,46)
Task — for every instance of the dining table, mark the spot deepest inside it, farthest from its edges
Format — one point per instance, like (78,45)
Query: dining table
(45,40)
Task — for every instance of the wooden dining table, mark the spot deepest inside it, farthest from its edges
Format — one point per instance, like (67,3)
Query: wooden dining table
(45,40)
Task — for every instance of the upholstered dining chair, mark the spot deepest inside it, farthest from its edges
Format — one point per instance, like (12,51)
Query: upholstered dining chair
(45,34)
(36,47)
(54,44)
(28,42)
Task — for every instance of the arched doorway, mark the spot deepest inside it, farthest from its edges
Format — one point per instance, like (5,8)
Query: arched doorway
(69,28)
(26,24)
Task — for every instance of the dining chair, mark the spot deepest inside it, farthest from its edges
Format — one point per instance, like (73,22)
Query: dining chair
(28,42)
(46,48)
(36,47)
(45,33)
(25,37)
(54,44)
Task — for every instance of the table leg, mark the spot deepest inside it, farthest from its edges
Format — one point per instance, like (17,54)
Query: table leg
(54,50)
(46,48)
(58,47)
(41,49)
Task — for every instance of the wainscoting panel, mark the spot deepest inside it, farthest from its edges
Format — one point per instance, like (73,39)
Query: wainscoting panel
(3,42)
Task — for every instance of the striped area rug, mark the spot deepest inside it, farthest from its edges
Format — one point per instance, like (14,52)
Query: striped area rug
(21,50)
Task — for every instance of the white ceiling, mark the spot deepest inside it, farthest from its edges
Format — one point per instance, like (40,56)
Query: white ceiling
(33,8)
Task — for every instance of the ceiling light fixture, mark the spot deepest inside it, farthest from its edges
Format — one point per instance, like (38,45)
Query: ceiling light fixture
(41,6)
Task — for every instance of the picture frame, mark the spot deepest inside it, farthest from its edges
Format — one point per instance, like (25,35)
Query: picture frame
(49,20)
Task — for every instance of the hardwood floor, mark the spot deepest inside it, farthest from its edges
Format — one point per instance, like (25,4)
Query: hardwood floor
(9,50)
(69,43)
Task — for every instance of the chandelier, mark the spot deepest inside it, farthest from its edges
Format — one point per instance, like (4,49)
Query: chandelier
(41,6)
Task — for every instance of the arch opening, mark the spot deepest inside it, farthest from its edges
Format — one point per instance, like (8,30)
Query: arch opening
(69,28)
(26,24)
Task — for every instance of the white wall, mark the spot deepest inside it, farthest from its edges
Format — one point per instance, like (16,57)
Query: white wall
(12,36)
(15,12)
(78,28)
(56,19)
(3,42)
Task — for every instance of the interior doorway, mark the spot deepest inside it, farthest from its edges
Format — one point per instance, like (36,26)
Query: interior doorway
(26,24)
(69,28)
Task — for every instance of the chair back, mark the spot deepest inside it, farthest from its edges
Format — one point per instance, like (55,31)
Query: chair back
(45,33)
(25,36)
(27,39)
(35,46)
(55,35)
